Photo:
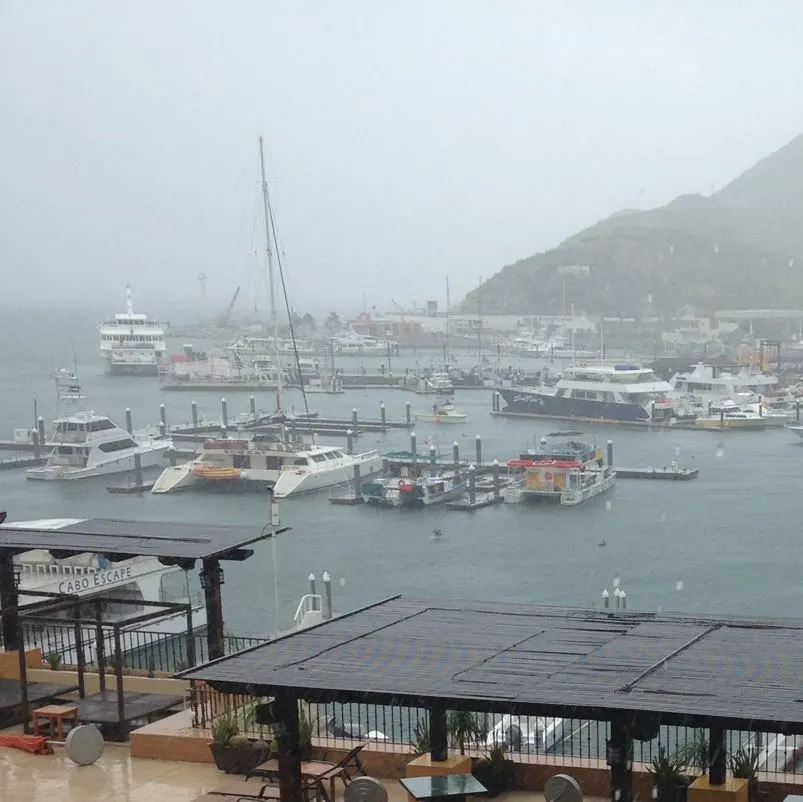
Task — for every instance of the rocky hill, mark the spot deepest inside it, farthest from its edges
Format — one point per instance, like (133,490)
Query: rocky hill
(741,247)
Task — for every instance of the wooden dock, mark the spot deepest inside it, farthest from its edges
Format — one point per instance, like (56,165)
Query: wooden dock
(21,462)
(667,474)
(480,500)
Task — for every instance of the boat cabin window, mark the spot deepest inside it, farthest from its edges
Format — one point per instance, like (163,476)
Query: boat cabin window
(117,445)
(319,457)
(64,450)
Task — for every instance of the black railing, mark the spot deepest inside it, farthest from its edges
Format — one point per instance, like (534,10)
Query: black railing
(541,739)
(142,650)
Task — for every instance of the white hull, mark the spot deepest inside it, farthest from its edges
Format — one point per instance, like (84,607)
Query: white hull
(151,456)
(798,430)
(456,417)
(573,497)
(294,481)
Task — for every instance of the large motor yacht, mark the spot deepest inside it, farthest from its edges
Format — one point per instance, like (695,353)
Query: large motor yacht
(711,383)
(86,445)
(623,393)
(132,344)
(267,461)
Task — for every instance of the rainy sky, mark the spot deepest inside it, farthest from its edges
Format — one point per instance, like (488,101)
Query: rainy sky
(406,141)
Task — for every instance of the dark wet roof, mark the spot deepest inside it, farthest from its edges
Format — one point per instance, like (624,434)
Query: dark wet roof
(169,541)
(554,661)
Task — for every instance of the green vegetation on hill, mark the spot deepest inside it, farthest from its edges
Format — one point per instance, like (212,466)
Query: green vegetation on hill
(742,247)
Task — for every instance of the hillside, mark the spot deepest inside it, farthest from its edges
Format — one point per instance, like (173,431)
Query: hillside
(733,249)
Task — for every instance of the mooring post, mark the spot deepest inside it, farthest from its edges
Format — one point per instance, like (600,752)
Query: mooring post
(610,453)
(357,480)
(382,415)
(40,430)
(162,420)
(349,441)
(606,599)
(413,448)
(253,402)
(456,456)
(224,408)
(327,595)
(433,461)
(194,415)
(472,485)
(478,449)
(497,483)
(129,424)
(408,413)
(354,421)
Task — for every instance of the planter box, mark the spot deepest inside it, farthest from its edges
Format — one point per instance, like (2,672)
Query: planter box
(238,759)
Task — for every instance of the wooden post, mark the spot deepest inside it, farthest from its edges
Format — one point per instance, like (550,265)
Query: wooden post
(288,746)
(118,673)
(9,599)
(438,736)
(717,758)
(210,580)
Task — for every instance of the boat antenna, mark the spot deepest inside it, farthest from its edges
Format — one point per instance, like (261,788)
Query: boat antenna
(289,315)
(269,252)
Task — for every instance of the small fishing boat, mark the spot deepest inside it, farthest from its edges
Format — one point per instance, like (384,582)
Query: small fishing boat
(424,491)
(442,413)
(728,415)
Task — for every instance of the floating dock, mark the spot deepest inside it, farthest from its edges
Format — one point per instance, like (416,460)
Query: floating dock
(145,487)
(481,500)
(668,474)
(21,462)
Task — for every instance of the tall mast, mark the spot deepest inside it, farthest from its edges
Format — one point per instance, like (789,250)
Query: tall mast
(269,252)
(448,357)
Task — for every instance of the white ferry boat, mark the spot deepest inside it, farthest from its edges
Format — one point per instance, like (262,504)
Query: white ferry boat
(624,393)
(86,445)
(132,344)
(289,469)
(360,345)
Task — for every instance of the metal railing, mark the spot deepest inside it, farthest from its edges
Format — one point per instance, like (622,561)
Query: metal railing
(526,739)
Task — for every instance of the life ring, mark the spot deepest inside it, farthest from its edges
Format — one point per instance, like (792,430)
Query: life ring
(548,476)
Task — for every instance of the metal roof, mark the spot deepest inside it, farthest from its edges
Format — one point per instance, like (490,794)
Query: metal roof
(122,538)
(740,673)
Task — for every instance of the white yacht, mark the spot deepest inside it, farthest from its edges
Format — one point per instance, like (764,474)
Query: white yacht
(711,383)
(86,445)
(132,344)
(263,460)
(360,345)
(624,393)
(438,383)
(92,577)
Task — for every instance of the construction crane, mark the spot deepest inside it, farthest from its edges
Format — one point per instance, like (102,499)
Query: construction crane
(223,320)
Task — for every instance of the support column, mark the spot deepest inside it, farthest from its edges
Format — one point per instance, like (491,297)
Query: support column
(717,756)
(211,582)
(620,759)
(288,747)
(438,740)
(9,599)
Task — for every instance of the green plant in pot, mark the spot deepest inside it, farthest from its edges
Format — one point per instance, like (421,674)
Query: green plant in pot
(464,728)
(420,743)
(743,764)
(304,734)
(669,782)
(232,751)
(53,659)
(495,771)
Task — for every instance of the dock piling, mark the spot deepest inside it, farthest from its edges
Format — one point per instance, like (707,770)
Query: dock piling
(606,599)
(413,450)
(349,441)
(162,420)
(224,408)
(497,483)
(357,480)
(354,421)
(129,425)
(253,402)
(327,596)
(472,485)
(797,412)
(383,416)
(408,413)
(312,589)
(478,448)
(610,453)
(433,461)
(36,450)
(456,455)
(194,415)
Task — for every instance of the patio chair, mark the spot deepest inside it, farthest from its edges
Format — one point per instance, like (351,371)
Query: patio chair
(318,772)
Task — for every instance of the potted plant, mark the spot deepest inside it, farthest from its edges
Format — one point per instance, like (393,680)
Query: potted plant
(420,743)
(464,729)
(304,735)
(232,751)
(495,771)
(53,659)
(669,782)
(743,763)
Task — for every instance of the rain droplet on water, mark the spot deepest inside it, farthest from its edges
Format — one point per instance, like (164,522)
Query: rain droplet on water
(679,585)
(608,505)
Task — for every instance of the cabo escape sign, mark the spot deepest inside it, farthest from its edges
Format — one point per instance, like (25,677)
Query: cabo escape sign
(97,580)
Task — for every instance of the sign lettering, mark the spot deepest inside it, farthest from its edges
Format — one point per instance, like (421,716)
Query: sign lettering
(96,580)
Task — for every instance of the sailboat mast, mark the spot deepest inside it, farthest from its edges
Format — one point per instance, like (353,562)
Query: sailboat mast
(448,304)
(269,252)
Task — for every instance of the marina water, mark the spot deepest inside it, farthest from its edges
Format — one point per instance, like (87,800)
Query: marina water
(728,542)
